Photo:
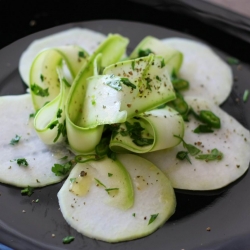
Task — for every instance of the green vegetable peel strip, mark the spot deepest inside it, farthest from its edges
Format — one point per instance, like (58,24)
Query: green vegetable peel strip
(158,125)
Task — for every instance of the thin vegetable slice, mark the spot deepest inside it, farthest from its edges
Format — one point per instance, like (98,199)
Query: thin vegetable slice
(83,38)
(172,58)
(152,85)
(228,146)
(150,131)
(43,80)
(84,139)
(94,216)
(208,75)
(15,111)
(50,122)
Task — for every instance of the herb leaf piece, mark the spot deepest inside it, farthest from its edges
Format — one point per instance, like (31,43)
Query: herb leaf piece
(245,95)
(68,239)
(37,90)
(126,82)
(110,189)
(27,191)
(100,183)
(61,169)
(152,218)
(192,150)
(203,129)
(182,155)
(232,61)
(146,52)
(22,162)
(81,54)
(215,154)
(15,140)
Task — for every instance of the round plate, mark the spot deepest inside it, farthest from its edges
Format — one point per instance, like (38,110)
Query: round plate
(225,212)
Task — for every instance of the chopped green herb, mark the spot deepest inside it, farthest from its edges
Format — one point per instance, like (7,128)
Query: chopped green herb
(22,162)
(146,52)
(192,150)
(100,183)
(66,82)
(148,80)
(133,214)
(53,124)
(158,78)
(183,155)
(59,113)
(81,54)
(245,95)
(61,130)
(215,154)
(41,77)
(109,174)
(232,61)
(162,63)
(133,65)
(62,169)
(203,129)
(111,189)
(37,200)
(72,180)
(37,90)
(134,131)
(143,141)
(33,115)
(126,82)
(153,218)
(68,239)
(27,191)
(15,140)
(64,158)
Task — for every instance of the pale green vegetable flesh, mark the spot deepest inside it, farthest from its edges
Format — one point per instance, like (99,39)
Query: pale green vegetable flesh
(209,77)
(99,216)
(232,139)
(172,57)
(153,85)
(84,139)
(14,112)
(43,72)
(84,38)
(159,125)
(51,113)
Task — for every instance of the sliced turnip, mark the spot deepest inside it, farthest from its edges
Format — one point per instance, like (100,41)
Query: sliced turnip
(15,112)
(96,215)
(85,38)
(208,75)
(232,139)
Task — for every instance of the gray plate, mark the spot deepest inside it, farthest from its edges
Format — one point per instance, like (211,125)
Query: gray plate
(225,211)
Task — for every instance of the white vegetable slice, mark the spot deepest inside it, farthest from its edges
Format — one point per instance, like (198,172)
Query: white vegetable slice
(208,75)
(84,38)
(92,216)
(14,112)
(232,139)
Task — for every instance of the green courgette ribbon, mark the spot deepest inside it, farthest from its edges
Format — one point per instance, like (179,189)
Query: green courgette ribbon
(84,93)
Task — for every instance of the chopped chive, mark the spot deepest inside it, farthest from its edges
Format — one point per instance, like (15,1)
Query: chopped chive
(245,95)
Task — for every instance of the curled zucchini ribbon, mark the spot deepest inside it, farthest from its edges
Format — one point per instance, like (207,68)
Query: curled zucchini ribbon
(150,131)
(105,91)
(51,75)
(172,58)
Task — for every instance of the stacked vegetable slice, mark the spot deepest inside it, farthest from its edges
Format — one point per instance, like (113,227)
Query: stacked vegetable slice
(97,105)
